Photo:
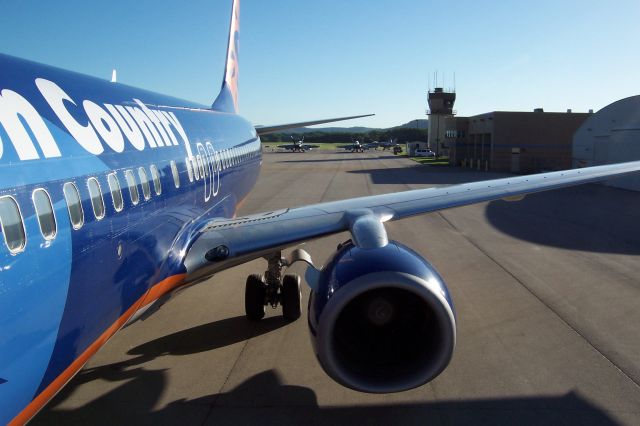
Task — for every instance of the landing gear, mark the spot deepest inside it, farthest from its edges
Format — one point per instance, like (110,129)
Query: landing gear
(254,295)
(290,297)
(272,289)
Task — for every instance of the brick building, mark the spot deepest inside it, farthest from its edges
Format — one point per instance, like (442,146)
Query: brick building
(519,142)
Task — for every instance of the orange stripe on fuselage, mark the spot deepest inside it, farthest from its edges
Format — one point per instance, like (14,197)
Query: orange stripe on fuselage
(49,392)
(161,288)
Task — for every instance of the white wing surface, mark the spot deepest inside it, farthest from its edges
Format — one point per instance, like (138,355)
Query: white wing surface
(224,243)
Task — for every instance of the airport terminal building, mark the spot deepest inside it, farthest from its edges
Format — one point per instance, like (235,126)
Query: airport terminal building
(517,142)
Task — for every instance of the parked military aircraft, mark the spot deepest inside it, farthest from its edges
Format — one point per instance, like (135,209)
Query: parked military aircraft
(354,147)
(390,144)
(298,146)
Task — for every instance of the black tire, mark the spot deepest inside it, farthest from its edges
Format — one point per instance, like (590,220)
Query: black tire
(291,297)
(254,295)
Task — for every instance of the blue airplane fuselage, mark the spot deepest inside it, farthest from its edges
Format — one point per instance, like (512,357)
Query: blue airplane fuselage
(62,297)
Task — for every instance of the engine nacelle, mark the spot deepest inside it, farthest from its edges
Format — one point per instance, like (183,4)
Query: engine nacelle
(381,320)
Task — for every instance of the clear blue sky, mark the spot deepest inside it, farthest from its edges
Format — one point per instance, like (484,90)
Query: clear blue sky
(303,60)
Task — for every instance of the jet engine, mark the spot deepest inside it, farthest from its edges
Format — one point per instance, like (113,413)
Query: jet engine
(381,319)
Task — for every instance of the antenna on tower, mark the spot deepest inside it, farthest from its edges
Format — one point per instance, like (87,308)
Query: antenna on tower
(454,81)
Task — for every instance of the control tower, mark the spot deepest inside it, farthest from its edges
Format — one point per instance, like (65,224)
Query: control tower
(440,107)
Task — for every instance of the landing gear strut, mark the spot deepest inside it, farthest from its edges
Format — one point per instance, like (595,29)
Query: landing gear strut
(273,289)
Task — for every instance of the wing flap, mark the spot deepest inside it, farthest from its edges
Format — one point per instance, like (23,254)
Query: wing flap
(254,236)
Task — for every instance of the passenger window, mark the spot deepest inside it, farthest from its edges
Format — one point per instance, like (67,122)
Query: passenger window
(133,186)
(176,175)
(189,170)
(155,175)
(72,196)
(44,211)
(144,181)
(95,193)
(12,226)
(116,192)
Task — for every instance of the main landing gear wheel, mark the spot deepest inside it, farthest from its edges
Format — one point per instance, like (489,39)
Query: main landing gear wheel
(254,297)
(290,297)
(273,289)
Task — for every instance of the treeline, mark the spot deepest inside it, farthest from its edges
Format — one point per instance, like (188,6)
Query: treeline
(401,134)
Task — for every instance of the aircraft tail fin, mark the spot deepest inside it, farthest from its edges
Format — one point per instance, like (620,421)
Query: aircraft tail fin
(227,100)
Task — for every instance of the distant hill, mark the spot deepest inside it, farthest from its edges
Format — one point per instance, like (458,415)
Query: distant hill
(412,131)
(413,124)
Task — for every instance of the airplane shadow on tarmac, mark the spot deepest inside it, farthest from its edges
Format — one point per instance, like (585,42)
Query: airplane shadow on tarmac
(264,399)
(592,217)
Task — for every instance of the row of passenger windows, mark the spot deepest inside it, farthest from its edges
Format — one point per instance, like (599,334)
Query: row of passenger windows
(209,159)
(11,217)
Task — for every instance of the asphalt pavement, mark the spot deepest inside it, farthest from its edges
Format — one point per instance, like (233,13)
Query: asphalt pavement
(547,294)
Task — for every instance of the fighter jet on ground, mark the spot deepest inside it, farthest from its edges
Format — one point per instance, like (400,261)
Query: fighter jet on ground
(298,146)
(390,144)
(355,147)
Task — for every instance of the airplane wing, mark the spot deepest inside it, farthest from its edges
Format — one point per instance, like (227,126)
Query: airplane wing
(263,130)
(224,243)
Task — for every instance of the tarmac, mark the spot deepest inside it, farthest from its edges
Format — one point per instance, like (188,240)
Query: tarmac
(547,294)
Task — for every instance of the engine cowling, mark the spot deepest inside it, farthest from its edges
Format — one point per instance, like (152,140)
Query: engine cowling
(381,320)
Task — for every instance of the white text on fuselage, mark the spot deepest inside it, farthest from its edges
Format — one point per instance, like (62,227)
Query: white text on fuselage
(107,124)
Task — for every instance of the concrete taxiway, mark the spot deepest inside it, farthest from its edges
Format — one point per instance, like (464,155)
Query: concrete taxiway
(547,292)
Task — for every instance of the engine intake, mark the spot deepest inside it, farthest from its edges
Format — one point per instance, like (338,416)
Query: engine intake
(381,320)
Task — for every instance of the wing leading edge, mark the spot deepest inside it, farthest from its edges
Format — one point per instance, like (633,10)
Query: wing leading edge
(224,243)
